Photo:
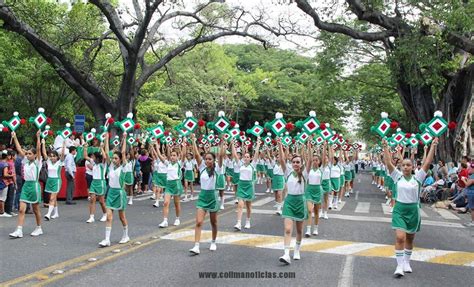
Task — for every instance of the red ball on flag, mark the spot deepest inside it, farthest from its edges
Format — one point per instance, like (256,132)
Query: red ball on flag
(232,123)
(49,120)
(166,133)
(290,126)
(201,123)
(50,132)
(242,133)
(136,126)
(23,122)
(408,135)
(323,126)
(5,129)
(111,121)
(393,125)
(452,125)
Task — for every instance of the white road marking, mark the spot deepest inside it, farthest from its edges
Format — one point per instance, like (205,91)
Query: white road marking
(362,207)
(357,195)
(340,206)
(263,201)
(351,248)
(345,279)
(446,214)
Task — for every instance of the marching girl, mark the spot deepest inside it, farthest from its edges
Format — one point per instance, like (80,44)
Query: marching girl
(355,158)
(326,181)
(236,163)
(278,181)
(342,181)
(294,207)
(313,190)
(406,219)
(245,187)
(269,164)
(116,196)
(348,174)
(53,183)
(128,175)
(98,184)
(220,172)
(261,175)
(208,200)
(160,168)
(229,171)
(189,165)
(173,188)
(335,175)
(31,191)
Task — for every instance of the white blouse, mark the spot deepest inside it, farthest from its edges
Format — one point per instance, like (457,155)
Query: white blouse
(114,176)
(408,190)
(293,186)
(31,169)
(208,183)
(314,176)
(54,169)
(173,171)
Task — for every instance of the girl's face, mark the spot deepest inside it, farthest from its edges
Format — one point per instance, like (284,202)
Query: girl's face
(209,160)
(247,158)
(407,167)
(296,163)
(116,160)
(189,156)
(316,161)
(30,155)
(173,156)
(94,159)
(53,157)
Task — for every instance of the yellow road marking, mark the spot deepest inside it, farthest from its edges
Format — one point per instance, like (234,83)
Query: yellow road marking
(45,276)
(318,246)
(379,251)
(456,258)
(260,240)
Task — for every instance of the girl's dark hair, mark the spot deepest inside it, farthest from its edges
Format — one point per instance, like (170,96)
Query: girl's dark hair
(336,160)
(98,157)
(143,152)
(300,173)
(119,154)
(213,168)
(33,150)
(53,152)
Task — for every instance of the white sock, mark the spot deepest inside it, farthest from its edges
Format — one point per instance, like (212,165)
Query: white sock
(247,221)
(125,231)
(177,218)
(308,229)
(20,228)
(399,255)
(287,250)
(165,219)
(407,255)
(92,216)
(196,244)
(50,210)
(298,246)
(157,201)
(239,222)
(56,211)
(108,230)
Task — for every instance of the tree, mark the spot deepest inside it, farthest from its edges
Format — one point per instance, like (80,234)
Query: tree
(135,40)
(430,58)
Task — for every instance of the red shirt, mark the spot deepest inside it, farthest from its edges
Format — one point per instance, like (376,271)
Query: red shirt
(463,173)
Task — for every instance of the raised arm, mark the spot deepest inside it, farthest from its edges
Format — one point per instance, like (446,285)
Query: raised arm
(425,151)
(158,152)
(233,150)
(63,152)
(387,157)
(257,150)
(309,157)
(429,158)
(106,146)
(18,147)
(197,155)
(38,145)
(124,150)
(102,151)
(43,149)
(220,158)
(324,161)
(183,151)
(282,156)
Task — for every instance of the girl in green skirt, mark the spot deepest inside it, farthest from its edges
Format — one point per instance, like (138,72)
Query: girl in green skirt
(229,171)
(173,188)
(189,165)
(31,191)
(53,183)
(116,196)
(98,185)
(160,168)
(245,187)
(335,179)
(313,191)
(294,207)
(278,182)
(128,174)
(261,169)
(269,164)
(325,182)
(347,174)
(236,163)
(208,200)
(406,219)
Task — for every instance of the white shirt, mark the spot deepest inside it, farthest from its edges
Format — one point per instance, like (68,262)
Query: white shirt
(229,163)
(32,169)
(314,176)
(408,190)
(326,172)
(70,164)
(269,163)
(246,171)
(54,169)
(98,171)
(208,183)
(173,171)
(189,164)
(278,170)
(159,166)
(114,176)
(293,186)
(335,171)
(129,166)
(89,170)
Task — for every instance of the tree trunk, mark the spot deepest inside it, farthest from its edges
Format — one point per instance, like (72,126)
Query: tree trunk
(125,102)
(457,105)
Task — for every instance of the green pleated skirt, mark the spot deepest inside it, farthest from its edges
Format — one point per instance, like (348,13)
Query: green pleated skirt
(295,207)
(208,200)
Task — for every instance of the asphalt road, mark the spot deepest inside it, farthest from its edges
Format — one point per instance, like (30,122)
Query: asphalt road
(354,248)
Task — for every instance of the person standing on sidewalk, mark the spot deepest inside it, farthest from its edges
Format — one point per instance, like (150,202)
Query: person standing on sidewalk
(70,165)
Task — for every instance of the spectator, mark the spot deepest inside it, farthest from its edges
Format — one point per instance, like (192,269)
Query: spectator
(470,194)
(3,185)
(145,168)
(442,172)
(9,180)
(70,174)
